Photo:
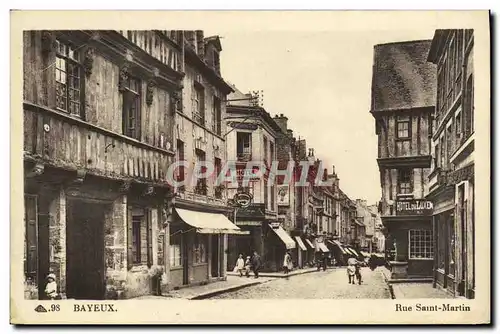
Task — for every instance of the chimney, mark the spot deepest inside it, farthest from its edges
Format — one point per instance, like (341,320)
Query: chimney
(289,133)
(282,122)
(333,169)
(191,39)
(200,41)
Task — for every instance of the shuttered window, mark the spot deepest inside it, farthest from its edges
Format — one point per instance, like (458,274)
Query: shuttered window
(31,238)
(139,237)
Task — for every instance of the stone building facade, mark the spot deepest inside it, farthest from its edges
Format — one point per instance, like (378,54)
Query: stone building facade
(451,181)
(98,131)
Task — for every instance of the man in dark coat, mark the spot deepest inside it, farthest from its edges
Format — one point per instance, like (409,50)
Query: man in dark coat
(256,264)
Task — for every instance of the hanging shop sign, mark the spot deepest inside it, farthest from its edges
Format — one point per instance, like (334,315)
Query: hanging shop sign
(242,199)
(414,208)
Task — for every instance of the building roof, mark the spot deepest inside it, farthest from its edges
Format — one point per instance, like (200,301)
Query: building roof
(254,111)
(402,77)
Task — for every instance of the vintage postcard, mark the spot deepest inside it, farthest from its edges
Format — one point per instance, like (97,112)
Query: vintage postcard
(319,167)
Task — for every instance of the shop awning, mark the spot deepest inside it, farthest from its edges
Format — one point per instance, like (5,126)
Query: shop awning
(323,247)
(353,252)
(339,245)
(365,254)
(310,243)
(349,251)
(281,233)
(301,244)
(209,223)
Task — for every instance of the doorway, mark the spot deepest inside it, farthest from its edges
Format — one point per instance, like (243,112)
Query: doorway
(85,250)
(185,262)
(215,265)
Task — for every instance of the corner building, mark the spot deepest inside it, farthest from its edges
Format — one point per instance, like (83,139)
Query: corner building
(403,101)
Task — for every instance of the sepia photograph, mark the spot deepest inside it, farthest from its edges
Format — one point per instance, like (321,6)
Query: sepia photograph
(203,162)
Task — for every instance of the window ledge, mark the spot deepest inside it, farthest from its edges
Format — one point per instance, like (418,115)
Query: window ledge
(200,264)
(176,268)
(422,258)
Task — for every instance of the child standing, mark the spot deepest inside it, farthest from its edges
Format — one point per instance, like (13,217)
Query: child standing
(51,287)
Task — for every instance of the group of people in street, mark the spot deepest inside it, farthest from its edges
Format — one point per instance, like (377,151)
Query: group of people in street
(245,266)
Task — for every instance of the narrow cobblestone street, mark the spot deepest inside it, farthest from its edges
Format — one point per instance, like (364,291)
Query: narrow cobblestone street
(330,284)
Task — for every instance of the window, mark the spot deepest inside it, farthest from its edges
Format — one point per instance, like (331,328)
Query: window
(442,153)
(217,172)
(132,108)
(175,250)
(217,116)
(139,236)
(469,107)
(405,181)
(451,239)
(199,104)
(265,150)
(403,127)
(272,188)
(68,79)
(421,244)
(180,157)
(244,146)
(271,152)
(449,140)
(266,194)
(136,239)
(436,156)
(458,125)
(216,61)
(201,183)
(200,249)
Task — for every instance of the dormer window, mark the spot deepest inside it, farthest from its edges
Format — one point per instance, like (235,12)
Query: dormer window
(216,63)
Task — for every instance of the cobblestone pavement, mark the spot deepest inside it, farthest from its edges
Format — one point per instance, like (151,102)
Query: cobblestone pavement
(318,285)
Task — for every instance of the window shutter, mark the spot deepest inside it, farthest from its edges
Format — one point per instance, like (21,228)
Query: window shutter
(149,222)
(130,259)
(31,264)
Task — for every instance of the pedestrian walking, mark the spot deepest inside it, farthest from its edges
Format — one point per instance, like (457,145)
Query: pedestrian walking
(256,264)
(240,265)
(351,269)
(248,265)
(287,263)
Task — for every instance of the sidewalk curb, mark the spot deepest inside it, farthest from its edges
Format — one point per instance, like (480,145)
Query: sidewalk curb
(272,275)
(209,294)
(389,285)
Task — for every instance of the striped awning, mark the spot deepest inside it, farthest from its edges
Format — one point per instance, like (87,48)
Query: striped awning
(322,247)
(300,243)
(309,243)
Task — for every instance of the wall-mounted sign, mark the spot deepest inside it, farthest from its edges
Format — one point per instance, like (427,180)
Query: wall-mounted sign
(283,194)
(244,126)
(242,200)
(459,175)
(414,208)
(242,172)
(255,212)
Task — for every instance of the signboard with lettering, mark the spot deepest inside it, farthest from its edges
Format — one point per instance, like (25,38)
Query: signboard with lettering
(414,208)
(244,126)
(459,175)
(252,212)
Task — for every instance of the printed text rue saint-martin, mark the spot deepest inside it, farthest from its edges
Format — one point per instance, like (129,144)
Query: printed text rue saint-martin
(445,307)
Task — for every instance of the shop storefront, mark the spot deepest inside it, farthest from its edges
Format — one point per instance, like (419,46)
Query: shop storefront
(198,240)
(412,235)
